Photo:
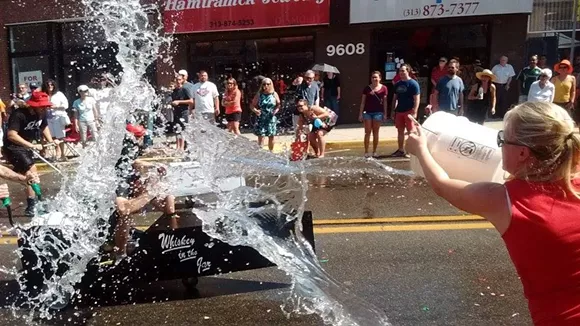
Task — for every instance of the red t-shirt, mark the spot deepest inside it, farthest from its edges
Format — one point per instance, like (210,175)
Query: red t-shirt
(543,241)
(374,100)
(235,97)
(437,74)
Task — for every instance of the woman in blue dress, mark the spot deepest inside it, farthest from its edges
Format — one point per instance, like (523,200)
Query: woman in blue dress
(266,105)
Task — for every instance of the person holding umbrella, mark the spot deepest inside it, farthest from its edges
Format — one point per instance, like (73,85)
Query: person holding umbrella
(330,91)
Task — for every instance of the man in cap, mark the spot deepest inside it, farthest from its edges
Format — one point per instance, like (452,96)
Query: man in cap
(187,85)
(134,192)
(23,126)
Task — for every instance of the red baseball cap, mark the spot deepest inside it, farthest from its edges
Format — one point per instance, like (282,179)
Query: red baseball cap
(136,130)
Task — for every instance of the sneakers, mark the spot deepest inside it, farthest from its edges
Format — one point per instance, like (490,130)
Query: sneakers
(399,153)
(374,155)
(30,209)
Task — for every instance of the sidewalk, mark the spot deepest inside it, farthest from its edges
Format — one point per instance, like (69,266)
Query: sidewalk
(351,136)
(341,137)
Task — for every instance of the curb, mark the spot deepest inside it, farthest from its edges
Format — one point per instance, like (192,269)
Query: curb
(278,149)
(338,144)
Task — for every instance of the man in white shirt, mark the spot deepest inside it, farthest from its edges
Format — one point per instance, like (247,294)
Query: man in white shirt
(206,98)
(504,72)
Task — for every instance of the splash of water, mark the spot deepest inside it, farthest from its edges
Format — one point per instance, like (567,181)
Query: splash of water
(255,216)
(85,199)
(86,202)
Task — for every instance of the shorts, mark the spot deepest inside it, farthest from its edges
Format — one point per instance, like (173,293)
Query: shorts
(178,127)
(315,130)
(403,122)
(234,117)
(209,116)
(375,116)
(181,119)
(21,158)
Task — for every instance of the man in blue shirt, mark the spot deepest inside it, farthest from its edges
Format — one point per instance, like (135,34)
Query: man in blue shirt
(448,94)
(405,101)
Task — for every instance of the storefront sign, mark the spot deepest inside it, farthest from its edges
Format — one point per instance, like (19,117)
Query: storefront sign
(27,77)
(367,11)
(345,49)
(193,16)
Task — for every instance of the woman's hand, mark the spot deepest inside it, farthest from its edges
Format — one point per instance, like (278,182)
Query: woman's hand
(360,117)
(492,111)
(4,193)
(417,140)
(257,112)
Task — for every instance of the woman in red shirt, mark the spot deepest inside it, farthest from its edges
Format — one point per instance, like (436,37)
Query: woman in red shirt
(232,99)
(536,211)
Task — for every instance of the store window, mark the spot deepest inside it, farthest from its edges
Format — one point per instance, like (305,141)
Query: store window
(72,53)
(278,58)
(28,38)
(30,69)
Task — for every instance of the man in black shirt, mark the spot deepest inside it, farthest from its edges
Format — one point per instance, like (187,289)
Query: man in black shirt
(181,102)
(132,193)
(24,124)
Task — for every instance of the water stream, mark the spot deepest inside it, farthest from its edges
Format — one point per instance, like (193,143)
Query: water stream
(86,198)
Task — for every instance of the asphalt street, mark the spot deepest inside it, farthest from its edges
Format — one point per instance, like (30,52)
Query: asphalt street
(340,187)
(460,277)
(381,234)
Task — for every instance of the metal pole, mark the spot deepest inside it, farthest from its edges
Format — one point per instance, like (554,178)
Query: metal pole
(574,22)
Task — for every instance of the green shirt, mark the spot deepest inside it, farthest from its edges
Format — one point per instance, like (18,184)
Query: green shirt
(527,77)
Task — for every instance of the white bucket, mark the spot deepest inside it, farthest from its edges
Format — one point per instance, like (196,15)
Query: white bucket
(465,150)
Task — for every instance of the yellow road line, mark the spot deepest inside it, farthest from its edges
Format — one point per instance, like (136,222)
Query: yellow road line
(8,241)
(398,219)
(397,228)
(11,240)
(366,221)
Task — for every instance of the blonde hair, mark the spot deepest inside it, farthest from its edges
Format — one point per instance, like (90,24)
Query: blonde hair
(548,131)
(270,89)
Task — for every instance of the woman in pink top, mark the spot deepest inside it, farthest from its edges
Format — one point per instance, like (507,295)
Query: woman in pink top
(232,99)
(537,211)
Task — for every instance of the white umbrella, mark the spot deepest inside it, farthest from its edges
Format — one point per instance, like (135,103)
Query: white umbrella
(325,68)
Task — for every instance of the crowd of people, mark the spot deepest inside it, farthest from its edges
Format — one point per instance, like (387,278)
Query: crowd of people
(535,211)
(485,96)
(39,118)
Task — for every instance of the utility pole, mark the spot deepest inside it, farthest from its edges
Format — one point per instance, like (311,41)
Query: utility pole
(574,23)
